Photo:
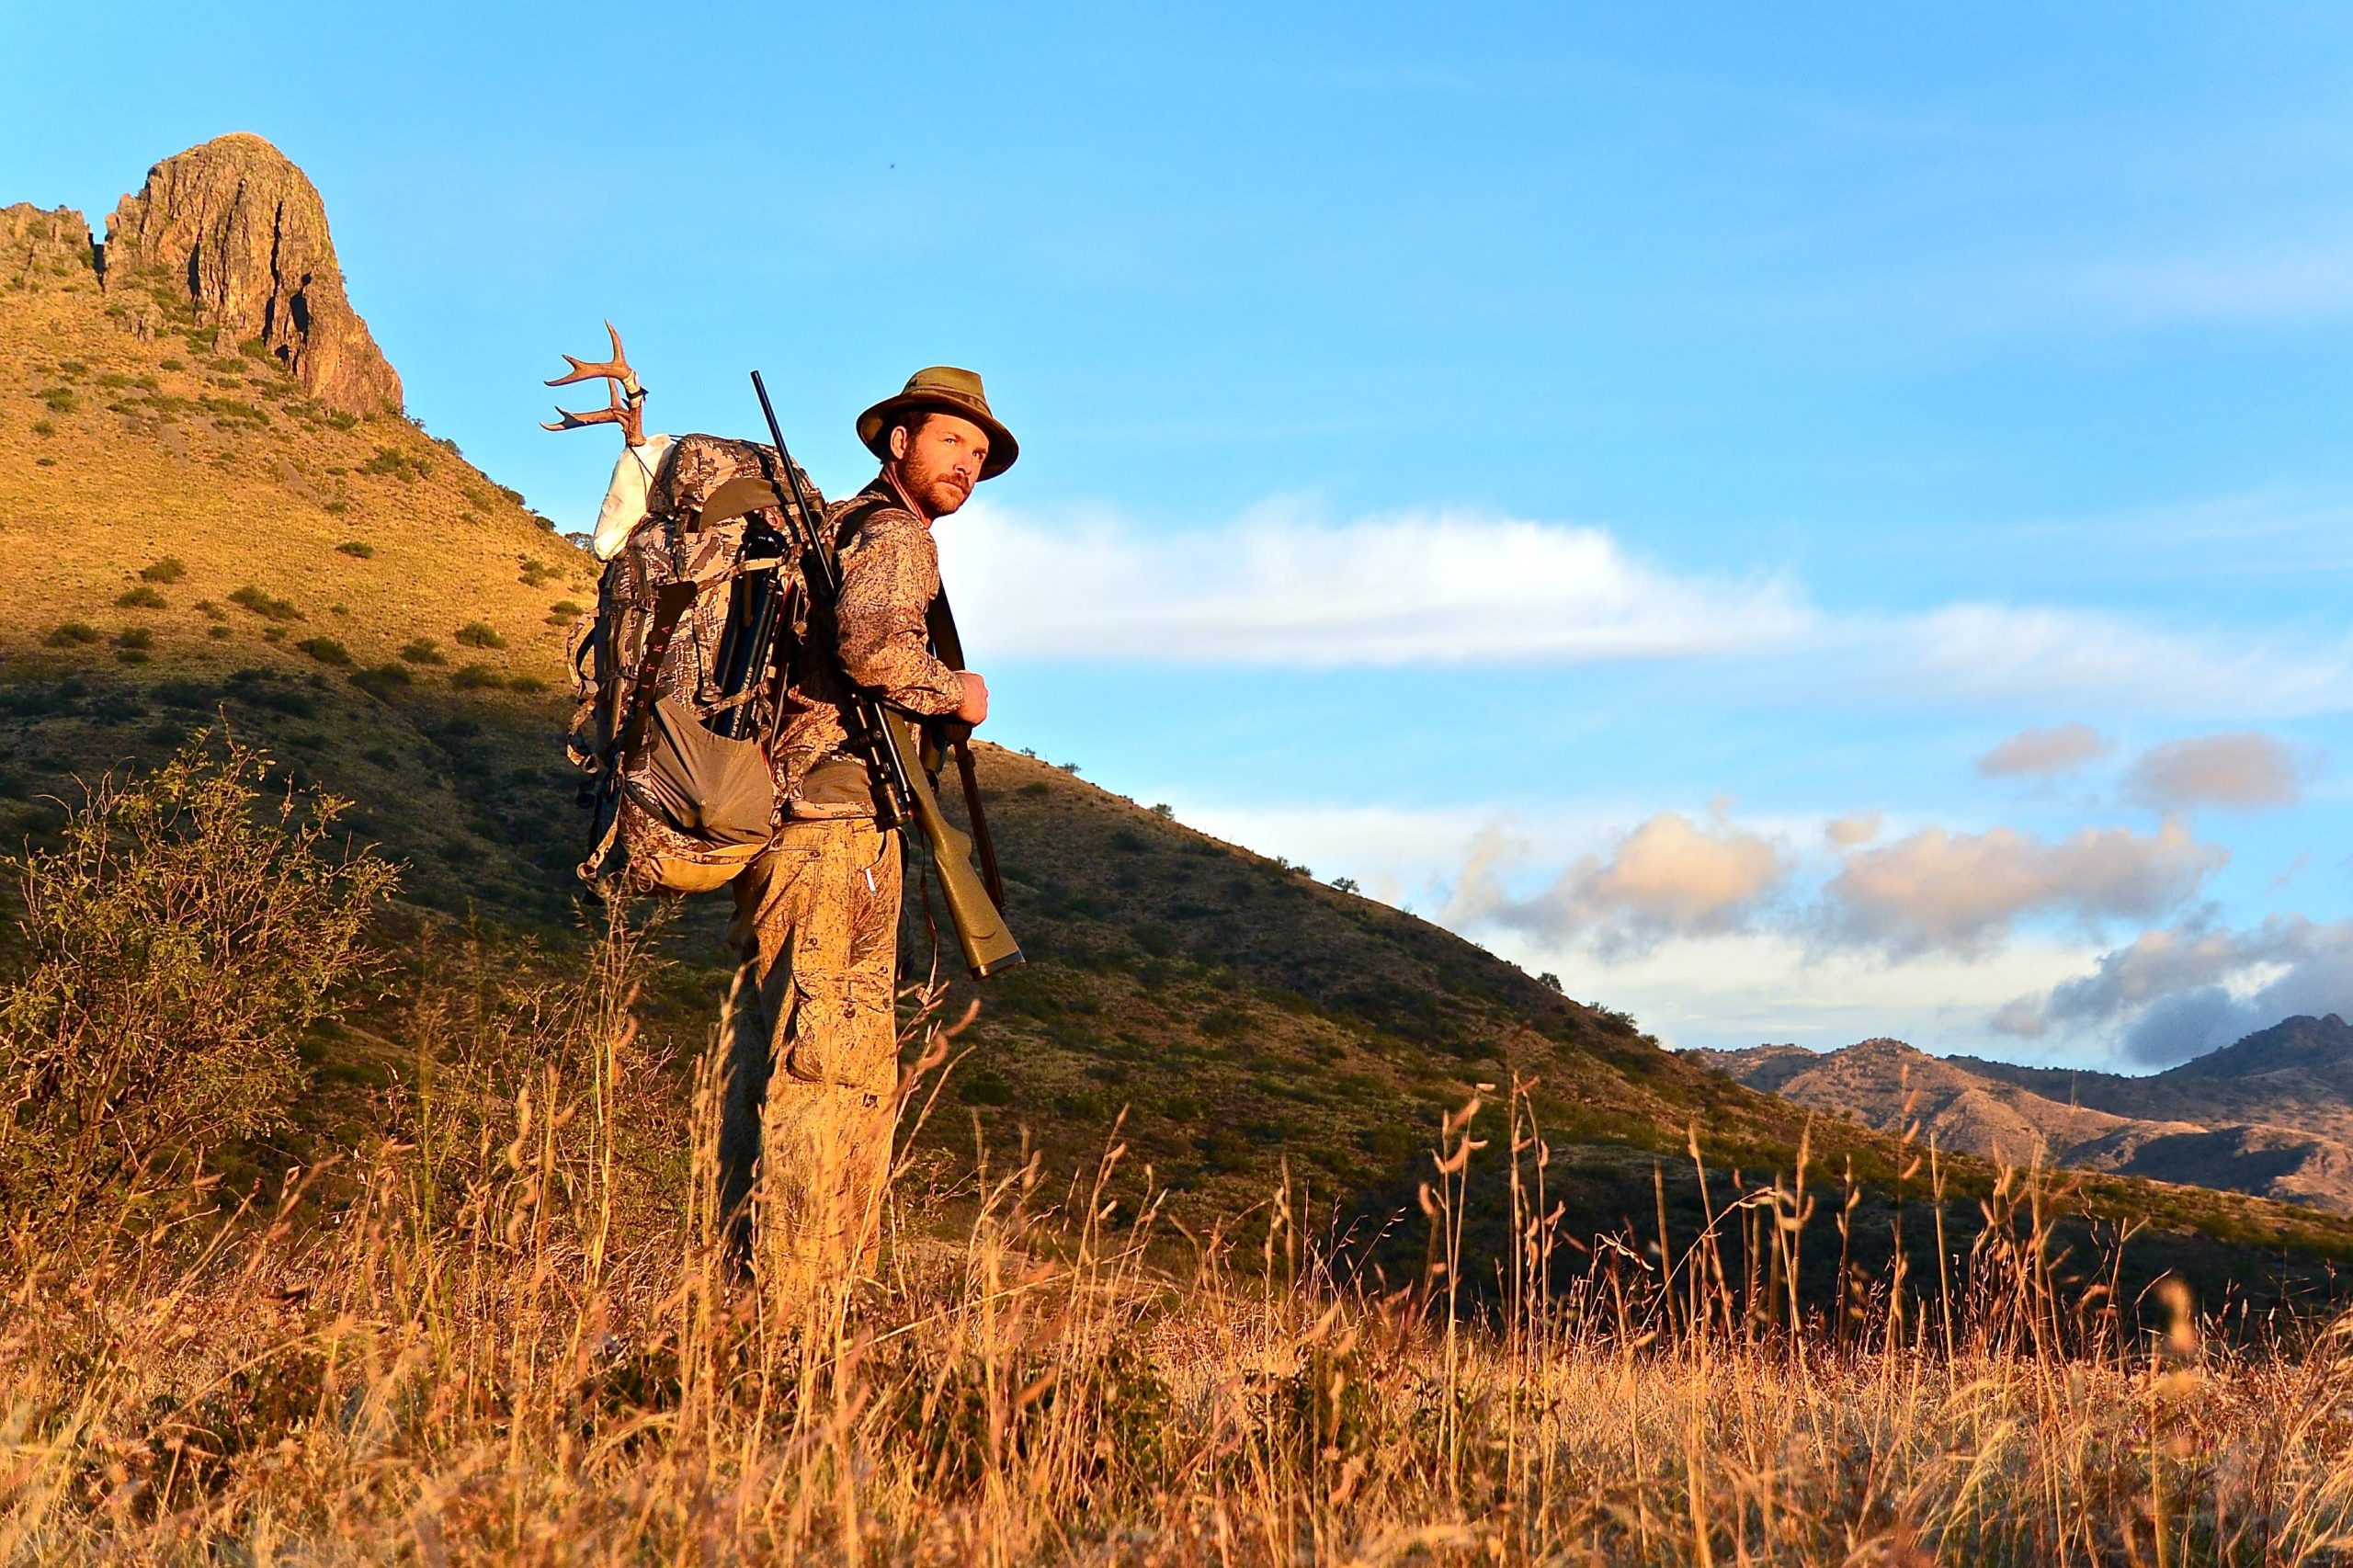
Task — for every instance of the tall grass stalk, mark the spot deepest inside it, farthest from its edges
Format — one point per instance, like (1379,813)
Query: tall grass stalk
(511,1331)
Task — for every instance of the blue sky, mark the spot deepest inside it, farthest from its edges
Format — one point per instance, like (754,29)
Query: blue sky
(1621,483)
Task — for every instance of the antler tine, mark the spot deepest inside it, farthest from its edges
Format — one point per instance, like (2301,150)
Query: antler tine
(627,413)
(615,368)
(626,404)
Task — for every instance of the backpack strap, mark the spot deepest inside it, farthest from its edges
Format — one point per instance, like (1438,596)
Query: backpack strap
(671,602)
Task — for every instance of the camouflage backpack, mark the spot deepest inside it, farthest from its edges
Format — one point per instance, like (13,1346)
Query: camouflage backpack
(680,779)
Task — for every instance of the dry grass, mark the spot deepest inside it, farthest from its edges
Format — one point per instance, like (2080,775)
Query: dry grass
(513,1337)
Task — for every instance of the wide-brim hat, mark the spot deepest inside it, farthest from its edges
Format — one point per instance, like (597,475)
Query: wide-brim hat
(941,388)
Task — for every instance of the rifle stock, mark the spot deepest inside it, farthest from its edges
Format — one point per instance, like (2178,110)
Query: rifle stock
(979,929)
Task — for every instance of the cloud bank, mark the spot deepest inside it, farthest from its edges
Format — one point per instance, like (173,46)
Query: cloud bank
(1962,893)
(2184,990)
(1276,589)
(1280,587)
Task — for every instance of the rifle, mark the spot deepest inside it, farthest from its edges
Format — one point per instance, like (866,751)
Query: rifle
(888,742)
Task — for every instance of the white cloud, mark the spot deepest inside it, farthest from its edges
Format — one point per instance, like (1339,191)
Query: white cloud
(1278,588)
(1752,987)
(2245,771)
(2043,752)
(1994,652)
(1936,890)
(1670,876)
(2176,993)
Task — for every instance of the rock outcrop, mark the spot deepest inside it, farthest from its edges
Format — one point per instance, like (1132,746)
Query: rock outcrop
(33,240)
(245,231)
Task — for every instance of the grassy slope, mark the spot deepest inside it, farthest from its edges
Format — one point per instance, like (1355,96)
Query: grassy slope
(1242,1017)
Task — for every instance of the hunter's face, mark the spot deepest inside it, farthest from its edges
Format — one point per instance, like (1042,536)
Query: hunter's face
(941,463)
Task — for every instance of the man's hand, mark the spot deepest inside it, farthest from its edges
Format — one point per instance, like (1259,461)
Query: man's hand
(975,706)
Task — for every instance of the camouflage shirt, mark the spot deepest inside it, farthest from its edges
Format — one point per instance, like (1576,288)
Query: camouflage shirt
(889,576)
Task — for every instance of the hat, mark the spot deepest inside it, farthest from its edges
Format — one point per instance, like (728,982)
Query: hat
(941,388)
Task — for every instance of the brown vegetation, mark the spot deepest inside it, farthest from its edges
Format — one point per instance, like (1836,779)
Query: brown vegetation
(513,1338)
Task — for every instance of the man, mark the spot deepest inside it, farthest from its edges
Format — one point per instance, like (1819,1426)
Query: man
(815,1041)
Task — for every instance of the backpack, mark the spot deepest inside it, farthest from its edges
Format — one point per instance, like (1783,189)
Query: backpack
(680,776)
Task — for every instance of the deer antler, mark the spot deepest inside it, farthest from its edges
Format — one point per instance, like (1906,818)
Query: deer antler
(626,406)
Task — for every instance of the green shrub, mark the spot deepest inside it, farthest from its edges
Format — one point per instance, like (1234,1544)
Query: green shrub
(140,596)
(984,1087)
(336,507)
(72,634)
(326,649)
(114,381)
(267,606)
(422,650)
(390,464)
(137,637)
(476,678)
(478,634)
(566,611)
(43,427)
(527,684)
(60,400)
(168,570)
(359,549)
(179,942)
(378,679)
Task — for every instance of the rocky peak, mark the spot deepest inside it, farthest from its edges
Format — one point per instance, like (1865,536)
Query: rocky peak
(245,231)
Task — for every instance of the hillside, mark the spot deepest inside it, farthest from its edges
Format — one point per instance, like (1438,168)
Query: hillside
(2265,1116)
(226,525)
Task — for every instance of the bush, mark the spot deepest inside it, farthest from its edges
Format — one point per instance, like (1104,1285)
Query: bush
(422,650)
(476,678)
(168,570)
(179,942)
(326,649)
(388,463)
(138,637)
(566,611)
(72,634)
(140,596)
(359,549)
(378,680)
(477,634)
(267,606)
(43,427)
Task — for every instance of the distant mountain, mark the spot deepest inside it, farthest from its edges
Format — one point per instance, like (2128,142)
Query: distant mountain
(2297,1073)
(2271,1115)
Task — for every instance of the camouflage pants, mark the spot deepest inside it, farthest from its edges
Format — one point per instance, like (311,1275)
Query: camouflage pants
(814,1047)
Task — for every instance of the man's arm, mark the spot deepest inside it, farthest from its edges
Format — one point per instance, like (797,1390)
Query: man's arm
(889,575)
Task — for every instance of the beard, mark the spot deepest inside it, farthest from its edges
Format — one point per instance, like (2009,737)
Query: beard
(937,492)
